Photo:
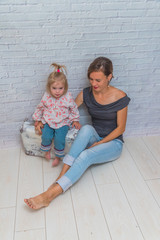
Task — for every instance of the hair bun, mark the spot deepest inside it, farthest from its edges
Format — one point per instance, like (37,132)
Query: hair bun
(59,68)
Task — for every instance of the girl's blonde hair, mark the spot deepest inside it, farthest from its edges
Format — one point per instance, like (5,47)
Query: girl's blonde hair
(57,75)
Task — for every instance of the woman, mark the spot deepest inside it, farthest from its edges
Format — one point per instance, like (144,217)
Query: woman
(100,143)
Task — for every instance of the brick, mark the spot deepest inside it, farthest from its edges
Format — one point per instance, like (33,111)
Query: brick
(36,33)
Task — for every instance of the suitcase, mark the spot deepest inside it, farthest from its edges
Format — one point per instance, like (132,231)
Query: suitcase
(32,141)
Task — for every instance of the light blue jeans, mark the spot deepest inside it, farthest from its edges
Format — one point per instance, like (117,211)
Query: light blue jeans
(80,158)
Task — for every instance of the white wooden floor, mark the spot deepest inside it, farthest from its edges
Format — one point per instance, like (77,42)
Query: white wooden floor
(114,201)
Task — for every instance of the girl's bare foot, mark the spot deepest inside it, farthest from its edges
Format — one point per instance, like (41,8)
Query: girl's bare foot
(48,155)
(55,161)
(44,199)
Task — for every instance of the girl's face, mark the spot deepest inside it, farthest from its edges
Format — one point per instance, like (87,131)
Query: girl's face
(57,89)
(99,81)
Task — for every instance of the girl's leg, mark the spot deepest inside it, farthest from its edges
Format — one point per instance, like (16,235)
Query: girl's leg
(102,153)
(48,155)
(59,143)
(47,136)
(85,138)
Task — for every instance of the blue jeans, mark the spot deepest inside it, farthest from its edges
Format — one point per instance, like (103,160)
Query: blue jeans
(80,158)
(59,135)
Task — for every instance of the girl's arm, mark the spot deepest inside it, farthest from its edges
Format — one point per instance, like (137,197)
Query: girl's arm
(121,124)
(37,116)
(38,126)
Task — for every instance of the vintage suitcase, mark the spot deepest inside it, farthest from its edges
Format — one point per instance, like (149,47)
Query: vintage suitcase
(32,141)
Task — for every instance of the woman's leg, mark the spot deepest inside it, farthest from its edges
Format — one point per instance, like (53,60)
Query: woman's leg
(102,153)
(87,135)
(99,154)
(85,138)
(44,199)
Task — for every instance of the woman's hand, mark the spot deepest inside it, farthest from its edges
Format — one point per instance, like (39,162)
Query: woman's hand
(95,144)
(38,126)
(76,124)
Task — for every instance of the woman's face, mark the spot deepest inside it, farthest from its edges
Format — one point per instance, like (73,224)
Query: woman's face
(57,89)
(99,81)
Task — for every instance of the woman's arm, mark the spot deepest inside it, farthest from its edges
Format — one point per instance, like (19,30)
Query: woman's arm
(73,112)
(121,124)
(79,99)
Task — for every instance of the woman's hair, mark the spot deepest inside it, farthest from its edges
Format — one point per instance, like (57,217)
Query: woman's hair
(57,75)
(101,64)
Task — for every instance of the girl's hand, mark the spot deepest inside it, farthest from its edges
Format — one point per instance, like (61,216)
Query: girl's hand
(35,123)
(38,127)
(76,124)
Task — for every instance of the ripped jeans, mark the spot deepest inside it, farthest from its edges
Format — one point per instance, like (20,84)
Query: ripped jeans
(80,158)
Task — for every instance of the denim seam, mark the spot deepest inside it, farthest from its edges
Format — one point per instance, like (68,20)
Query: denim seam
(68,160)
(64,182)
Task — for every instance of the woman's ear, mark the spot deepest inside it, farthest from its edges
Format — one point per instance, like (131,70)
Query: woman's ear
(110,77)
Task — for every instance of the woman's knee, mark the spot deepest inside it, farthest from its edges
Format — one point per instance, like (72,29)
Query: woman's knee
(83,158)
(87,129)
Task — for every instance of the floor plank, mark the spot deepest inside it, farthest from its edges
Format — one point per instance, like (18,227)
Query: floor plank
(154,186)
(118,200)
(120,219)
(143,204)
(31,235)
(47,168)
(90,220)
(153,143)
(60,221)
(7,218)
(9,164)
(30,184)
(104,173)
(147,164)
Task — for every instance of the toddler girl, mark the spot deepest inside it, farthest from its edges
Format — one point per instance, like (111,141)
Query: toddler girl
(55,113)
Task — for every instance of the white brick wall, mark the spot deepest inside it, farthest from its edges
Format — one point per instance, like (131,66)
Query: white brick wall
(35,33)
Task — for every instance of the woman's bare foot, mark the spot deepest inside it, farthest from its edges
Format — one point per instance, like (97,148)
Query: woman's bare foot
(38,201)
(48,155)
(44,199)
(55,161)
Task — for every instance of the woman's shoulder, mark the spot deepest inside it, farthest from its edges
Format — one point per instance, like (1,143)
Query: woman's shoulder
(86,92)
(118,93)
(121,99)
(86,89)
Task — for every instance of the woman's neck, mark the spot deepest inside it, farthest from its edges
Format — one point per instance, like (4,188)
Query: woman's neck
(105,91)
